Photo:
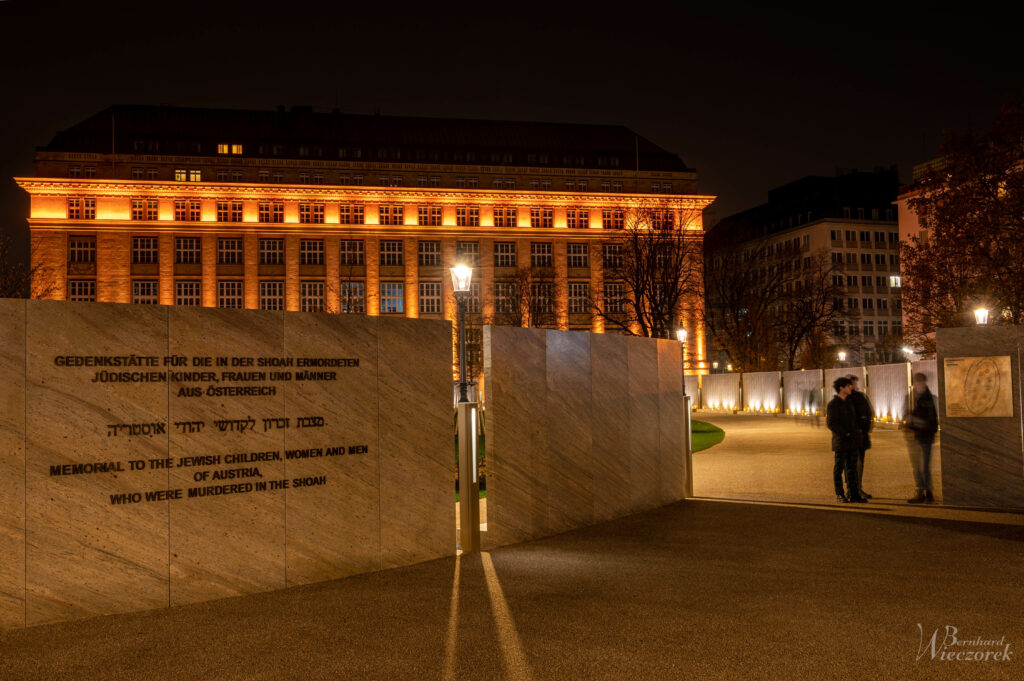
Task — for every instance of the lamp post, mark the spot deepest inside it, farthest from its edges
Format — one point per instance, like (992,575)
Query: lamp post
(467,419)
(681,337)
(981,316)
(461,276)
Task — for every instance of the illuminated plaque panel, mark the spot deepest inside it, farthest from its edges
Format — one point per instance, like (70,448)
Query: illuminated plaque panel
(978,386)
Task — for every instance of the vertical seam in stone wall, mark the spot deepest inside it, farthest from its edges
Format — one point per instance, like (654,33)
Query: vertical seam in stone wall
(24,489)
(167,326)
(380,464)
(284,442)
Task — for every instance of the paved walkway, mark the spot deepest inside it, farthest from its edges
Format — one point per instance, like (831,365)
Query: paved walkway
(701,589)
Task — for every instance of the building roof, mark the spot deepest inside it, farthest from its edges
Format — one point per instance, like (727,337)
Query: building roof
(300,132)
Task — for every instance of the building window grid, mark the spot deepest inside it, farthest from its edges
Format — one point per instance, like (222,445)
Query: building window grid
(229,294)
(271,251)
(188,293)
(82,290)
(579,297)
(612,256)
(391,252)
(467,253)
(311,213)
(351,252)
(578,255)
(506,216)
(229,251)
(145,292)
(311,252)
(429,253)
(577,218)
(467,216)
(352,297)
(311,296)
(391,214)
(541,254)
(144,250)
(82,249)
(352,214)
(430,297)
(272,295)
(430,216)
(187,251)
(504,254)
(392,297)
(271,212)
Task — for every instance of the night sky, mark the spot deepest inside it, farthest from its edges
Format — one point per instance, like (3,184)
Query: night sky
(751,96)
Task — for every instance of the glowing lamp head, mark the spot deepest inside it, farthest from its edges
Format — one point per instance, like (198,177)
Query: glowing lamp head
(461,276)
(981,316)
(907,350)
(714,365)
(842,356)
(681,334)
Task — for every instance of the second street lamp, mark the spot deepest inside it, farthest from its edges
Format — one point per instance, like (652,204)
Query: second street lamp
(461,277)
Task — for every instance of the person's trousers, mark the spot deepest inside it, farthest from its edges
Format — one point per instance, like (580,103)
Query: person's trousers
(921,461)
(860,467)
(846,463)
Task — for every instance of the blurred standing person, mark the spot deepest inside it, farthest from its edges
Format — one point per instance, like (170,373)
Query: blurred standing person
(841,419)
(865,413)
(923,422)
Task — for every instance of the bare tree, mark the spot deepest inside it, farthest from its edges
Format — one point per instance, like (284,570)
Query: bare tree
(658,267)
(971,252)
(807,307)
(19,279)
(528,298)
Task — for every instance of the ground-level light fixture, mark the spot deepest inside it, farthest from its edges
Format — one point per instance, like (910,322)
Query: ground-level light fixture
(981,316)
(461,277)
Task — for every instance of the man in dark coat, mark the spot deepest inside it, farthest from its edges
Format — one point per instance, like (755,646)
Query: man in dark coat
(865,420)
(923,422)
(846,441)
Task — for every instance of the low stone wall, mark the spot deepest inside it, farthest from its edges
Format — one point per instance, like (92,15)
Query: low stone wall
(155,456)
(761,390)
(720,391)
(581,428)
(802,391)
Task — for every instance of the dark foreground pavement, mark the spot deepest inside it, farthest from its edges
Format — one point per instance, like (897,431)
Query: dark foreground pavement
(703,590)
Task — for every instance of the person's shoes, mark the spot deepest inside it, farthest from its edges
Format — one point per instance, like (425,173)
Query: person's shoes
(858,500)
(865,494)
(917,498)
(841,499)
(928,496)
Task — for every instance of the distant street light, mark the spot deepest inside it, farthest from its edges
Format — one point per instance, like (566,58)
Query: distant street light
(981,316)
(842,356)
(461,276)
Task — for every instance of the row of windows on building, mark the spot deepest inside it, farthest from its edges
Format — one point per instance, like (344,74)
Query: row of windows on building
(839,258)
(190,210)
(263,176)
(864,236)
(854,304)
(352,295)
(188,251)
(847,212)
(868,328)
(866,281)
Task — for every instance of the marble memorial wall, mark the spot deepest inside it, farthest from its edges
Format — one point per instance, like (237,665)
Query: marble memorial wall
(720,391)
(801,391)
(155,456)
(887,389)
(761,390)
(581,428)
(982,455)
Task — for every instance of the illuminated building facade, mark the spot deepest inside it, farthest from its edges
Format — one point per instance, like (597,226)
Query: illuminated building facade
(296,210)
(853,219)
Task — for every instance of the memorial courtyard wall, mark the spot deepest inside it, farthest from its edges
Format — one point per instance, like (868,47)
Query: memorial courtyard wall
(155,456)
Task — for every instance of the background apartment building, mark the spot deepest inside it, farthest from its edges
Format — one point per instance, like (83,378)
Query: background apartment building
(851,219)
(296,210)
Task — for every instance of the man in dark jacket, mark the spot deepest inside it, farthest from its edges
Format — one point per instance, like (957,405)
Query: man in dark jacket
(846,441)
(865,419)
(923,422)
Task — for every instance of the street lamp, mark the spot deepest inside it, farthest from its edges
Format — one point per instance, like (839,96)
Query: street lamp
(842,356)
(981,316)
(681,336)
(461,276)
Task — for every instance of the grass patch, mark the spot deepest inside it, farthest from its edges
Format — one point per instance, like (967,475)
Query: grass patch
(705,435)
(483,495)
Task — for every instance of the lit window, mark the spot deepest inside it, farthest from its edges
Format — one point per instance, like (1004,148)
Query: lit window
(187,293)
(223,148)
(236,148)
(391,297)
(895,282)
(351,297)
(430,297)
